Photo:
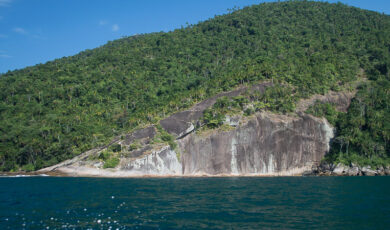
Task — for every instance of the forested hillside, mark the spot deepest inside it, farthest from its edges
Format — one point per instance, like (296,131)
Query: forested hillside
(54,111)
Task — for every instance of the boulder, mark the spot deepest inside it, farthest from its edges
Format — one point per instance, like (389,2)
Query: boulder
(326,166)
(367,171)
(340,169)
(387,170)
(381,171)
(353,171)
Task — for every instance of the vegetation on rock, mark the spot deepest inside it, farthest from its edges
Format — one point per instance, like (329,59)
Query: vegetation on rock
(54,111)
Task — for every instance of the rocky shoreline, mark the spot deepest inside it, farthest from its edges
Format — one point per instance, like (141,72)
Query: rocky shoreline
(324,169)
(330,169)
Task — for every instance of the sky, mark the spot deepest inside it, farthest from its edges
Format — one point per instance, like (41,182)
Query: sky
(37,31)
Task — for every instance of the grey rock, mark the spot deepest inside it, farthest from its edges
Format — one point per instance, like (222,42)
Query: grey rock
(232,121)
(367,171)
(309,173)
(139,152)
(325,167)
(340,169)
(381,171)
(179,124)
(159,162)
(262,144)
(353,171)
(341,100)
(141,135)
(266,144)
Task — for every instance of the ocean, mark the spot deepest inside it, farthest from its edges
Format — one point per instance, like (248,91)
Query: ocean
(195,203)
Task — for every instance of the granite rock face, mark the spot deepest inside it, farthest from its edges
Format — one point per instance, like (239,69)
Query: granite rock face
(160,162)
(341,100)
(182,123)
(267,144)
(143,136)
(263,144)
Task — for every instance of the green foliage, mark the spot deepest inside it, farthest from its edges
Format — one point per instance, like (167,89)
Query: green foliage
(115,148)
(28,167)
(240,101)
(169,139)
(326,110)
(363,133)
(111,162)
(57,110)
(134,146)
(105,155)
(259,105)
(166,137)
(249,111)
(224,103)
(178,156)
(172,144)
(213,118)
(279,98)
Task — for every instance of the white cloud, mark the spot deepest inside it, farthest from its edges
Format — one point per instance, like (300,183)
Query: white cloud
(19,30)
(40,37)
(5,56)
(103,22)
(115,27)
(107,24)
(3,36)
(5,2)
(1,17)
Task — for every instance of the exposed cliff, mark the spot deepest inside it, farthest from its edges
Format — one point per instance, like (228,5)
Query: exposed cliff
(267,144)
(263,143)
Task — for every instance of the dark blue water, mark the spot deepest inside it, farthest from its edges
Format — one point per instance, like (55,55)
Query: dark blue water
(195,203)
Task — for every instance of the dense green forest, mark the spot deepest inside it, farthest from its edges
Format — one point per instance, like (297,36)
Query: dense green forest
(54,111)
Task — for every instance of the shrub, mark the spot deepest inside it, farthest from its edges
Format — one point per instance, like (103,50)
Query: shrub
(104,155)
(166,137)
(133,146)
(212,118)
(326,110)
(241,101)
(248,111)
(111,162)
(222,103)
(172,144)
(28,167)
(116,148)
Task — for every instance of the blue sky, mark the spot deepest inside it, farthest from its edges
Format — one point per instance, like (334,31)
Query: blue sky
(36,31)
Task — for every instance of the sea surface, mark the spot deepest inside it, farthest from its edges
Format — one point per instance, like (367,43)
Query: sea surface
(195,203)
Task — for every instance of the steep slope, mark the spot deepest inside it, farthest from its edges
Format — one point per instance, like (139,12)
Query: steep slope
(262,143)
(58,110)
